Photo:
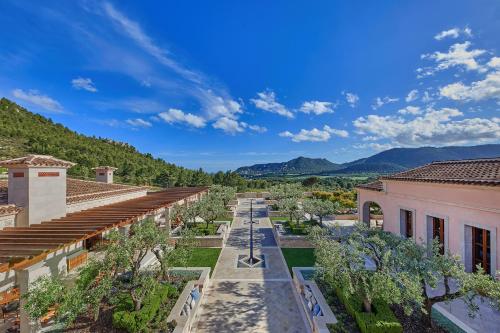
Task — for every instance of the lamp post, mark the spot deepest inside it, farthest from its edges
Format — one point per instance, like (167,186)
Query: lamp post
(251,258)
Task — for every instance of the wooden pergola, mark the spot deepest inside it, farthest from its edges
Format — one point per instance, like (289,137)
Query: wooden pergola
(20,247)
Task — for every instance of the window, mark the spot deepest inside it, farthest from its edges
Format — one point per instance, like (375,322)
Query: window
(481,250)
(438,232)
(408,220)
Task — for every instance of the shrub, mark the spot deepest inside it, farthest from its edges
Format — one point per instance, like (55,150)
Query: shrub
(137,321)
(381,320)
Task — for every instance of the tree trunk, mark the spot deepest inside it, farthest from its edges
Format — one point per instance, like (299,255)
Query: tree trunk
(446,281)
(367,305)
(320,220)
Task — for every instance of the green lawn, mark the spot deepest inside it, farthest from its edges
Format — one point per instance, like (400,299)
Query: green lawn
(279,218)
(298,257)
(225,218)
(203,257)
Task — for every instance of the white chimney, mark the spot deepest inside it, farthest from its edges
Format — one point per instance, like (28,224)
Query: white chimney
(104,174)
(37,185)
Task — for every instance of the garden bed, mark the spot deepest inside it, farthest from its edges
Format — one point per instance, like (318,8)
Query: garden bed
(104,323)
(297,229)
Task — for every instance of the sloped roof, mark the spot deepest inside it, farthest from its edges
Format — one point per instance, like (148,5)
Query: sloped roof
(36,161)
(472,172)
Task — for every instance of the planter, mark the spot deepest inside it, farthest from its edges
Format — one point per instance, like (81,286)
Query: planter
(185,311)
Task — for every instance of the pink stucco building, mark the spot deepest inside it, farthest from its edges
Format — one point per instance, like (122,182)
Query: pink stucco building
(457,202)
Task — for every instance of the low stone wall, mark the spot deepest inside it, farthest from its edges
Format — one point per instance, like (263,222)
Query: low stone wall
(346,217)
(183,322)
(291,241)
(248,195)
(309,292)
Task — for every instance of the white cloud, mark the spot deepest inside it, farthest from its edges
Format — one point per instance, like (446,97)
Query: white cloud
(479,90)
(266,100)
(494,63)
(435,127)
(36,98)
(453,33)
(315,135)
(255,128)
(228,125)
(374,146)
(173,116)
(133,30)
(379,102)
(81,83)
(427,97)
(215,101)
(316,107)
(138,122)
(457,56)
(413,110)
(351,98)
(412,95)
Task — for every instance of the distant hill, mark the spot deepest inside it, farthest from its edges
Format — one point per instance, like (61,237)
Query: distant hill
(298,165)
(389,161)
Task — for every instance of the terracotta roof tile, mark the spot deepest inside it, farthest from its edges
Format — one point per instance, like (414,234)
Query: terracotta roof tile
(475,172)
(37,160)
(373,186)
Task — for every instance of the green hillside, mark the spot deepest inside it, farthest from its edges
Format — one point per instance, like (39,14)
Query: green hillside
(23,132)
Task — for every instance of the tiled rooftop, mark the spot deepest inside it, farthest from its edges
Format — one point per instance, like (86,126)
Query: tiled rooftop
(476,172)
(484,171)
(37,161)
(82,190)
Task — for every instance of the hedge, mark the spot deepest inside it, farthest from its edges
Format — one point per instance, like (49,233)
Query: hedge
(381,320)
(136,321)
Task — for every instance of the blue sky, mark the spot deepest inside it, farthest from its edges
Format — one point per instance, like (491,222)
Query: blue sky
(221,84)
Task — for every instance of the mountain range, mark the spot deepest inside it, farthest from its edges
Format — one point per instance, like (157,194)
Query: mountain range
(388,161)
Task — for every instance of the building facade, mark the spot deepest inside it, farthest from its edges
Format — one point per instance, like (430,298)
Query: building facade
(455,202)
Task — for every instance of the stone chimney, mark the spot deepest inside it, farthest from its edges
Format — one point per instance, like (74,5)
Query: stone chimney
(37,185)
(104,174)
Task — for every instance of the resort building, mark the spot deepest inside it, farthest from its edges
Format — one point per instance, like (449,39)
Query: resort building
(455,202)
(50,223)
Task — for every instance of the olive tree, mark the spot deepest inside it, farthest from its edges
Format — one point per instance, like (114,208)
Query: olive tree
(291,208)
(320,208)
(210,208)
(286,191)
(224,193)
(344,266)
(400,271)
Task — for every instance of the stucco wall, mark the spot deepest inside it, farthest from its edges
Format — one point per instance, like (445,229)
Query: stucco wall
(459,205)
(71,208)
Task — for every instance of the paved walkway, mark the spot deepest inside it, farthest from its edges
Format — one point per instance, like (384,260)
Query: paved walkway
(251,299)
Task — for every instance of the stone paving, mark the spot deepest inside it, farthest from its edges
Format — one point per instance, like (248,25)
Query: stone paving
(251,299)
